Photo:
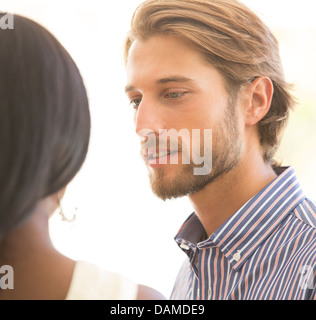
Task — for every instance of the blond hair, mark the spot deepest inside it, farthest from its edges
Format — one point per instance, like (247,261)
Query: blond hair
(233,39)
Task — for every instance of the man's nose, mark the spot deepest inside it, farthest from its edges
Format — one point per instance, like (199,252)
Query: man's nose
(148,118)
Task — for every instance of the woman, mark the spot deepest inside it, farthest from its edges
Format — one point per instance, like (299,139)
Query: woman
(44,139)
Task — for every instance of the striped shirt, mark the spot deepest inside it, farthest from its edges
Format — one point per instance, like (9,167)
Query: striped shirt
(265,251)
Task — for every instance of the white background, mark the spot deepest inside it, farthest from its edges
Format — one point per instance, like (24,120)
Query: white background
(121,225)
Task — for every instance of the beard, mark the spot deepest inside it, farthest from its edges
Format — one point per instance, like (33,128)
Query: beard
(225,154)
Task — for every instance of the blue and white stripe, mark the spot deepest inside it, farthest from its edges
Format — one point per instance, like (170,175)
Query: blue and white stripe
(265,251)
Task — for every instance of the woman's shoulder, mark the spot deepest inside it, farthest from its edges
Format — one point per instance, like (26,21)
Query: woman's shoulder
(91,282)
(148,293)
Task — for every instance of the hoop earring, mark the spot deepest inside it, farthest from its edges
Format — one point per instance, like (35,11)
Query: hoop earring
(62,214)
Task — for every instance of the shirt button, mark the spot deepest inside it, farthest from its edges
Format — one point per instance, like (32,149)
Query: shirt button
(184,246)
(237,256)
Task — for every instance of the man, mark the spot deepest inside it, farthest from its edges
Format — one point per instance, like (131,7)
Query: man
(212,67)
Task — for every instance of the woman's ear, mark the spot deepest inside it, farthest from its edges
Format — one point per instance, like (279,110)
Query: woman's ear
(259,97)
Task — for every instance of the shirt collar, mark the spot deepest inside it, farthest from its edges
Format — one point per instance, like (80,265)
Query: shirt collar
(251,225)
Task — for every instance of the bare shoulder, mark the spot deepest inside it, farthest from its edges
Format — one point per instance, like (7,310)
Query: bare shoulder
(148,293)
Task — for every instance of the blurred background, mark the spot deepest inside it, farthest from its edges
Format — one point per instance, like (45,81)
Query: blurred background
(121,225)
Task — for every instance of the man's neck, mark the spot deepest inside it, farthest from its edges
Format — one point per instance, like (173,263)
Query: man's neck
(222,198)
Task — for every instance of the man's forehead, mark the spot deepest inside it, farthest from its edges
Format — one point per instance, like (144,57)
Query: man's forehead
(163,50)
(162,60)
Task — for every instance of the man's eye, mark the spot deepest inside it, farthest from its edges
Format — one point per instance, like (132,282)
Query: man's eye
(174,95)
(136,102)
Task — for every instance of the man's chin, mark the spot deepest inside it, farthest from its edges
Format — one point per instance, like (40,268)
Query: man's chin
(171,184)
(164,182)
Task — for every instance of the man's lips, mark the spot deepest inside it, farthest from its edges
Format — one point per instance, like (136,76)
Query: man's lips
(157,154)
(154,155)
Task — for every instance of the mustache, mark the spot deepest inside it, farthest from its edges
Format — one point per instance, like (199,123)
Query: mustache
(160,144)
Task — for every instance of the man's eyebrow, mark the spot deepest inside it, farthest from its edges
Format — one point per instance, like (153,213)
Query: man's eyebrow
(162,81)
(173,79)
(129,88)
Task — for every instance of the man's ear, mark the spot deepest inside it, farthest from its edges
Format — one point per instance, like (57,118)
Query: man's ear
(259,97)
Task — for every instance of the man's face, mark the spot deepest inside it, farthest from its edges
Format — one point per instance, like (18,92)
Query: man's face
(173,89)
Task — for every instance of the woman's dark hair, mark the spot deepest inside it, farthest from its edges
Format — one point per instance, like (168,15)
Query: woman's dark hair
(44,119)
